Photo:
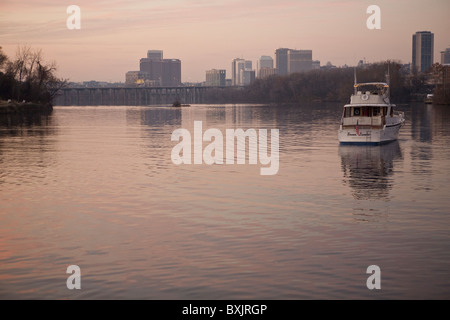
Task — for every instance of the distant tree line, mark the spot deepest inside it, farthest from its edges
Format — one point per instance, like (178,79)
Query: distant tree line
(28,77)
(441,78)
(330,85)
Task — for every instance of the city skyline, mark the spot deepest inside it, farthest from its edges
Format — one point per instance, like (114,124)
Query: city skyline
(207,35)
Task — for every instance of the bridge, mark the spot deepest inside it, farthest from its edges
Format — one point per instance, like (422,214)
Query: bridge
(140,96)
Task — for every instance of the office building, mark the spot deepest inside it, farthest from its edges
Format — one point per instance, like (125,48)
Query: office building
(281,61)
(445,57)
(161,72)
(241,72)
(155,54)
(265,62)
(236,65)
(171,72)
(290,61)
(153,68)
(215,78)
(266,72)
(247,77)
(422,51)
(135,77)
(299,61)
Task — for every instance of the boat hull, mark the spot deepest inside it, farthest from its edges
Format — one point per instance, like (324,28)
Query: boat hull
(369,136)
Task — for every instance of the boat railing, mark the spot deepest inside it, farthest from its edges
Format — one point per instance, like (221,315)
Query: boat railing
(364,121)
(353,121)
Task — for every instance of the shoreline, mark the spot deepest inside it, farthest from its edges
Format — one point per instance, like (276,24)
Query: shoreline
(27,107)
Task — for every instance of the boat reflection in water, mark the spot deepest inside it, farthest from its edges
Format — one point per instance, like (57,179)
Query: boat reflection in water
(368,169)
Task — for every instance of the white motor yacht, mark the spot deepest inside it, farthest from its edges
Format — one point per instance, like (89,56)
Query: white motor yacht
(370,118)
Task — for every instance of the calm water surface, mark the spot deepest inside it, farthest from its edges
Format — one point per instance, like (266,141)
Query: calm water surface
(96,187)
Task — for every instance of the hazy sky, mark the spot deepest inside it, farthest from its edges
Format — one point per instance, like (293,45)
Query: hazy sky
(208,34)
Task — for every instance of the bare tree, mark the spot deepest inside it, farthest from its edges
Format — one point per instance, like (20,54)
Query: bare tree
(3,59)
(35,78)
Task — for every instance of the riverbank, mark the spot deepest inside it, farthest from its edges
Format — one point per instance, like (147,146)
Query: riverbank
(27,107)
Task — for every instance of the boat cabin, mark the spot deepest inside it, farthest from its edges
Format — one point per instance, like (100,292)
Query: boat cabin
(369,106)
(371,92)
(366,111)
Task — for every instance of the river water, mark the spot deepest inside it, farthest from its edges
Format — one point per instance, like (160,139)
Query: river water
(96,187)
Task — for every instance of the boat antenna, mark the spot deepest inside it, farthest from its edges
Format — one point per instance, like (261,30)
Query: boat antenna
(354,75)
(388,79)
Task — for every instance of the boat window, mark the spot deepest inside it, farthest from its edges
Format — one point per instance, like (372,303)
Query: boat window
(347,112)
(357,111)
(365,112)
(376,111)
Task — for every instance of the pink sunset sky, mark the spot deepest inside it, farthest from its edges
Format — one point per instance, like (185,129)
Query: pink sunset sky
(207,34)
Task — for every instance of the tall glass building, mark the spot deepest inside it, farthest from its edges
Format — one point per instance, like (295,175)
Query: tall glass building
(422,51)
(281,55)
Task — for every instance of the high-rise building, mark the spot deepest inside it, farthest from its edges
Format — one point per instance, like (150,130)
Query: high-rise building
(247,77)
(153,68)
(155,54)
(216,78)
(265,62)
(241,72)
(299,61)
(290,61)
(171,72)
(161,72)
(236,66)
(445,57)
(238,76)
(266,72)
(281,61)
(422,51)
